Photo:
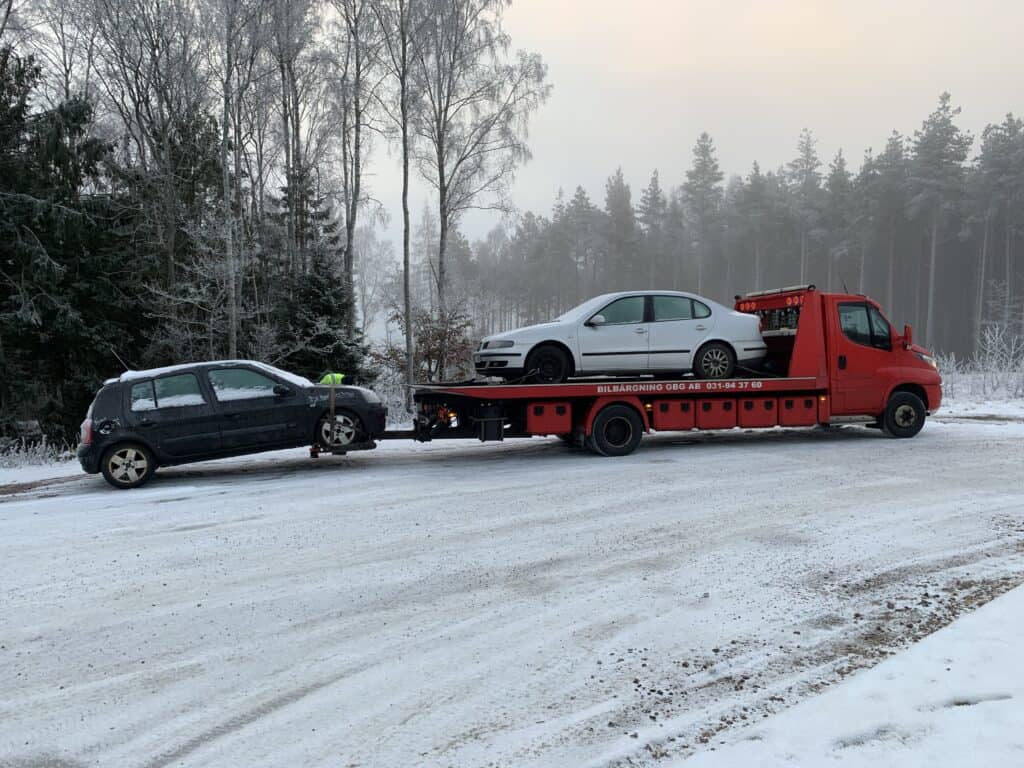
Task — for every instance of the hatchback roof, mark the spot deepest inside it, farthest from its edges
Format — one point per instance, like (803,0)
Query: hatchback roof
(149,373)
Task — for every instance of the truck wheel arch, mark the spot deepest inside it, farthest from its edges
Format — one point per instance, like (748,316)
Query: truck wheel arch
(600,403)
(914,389)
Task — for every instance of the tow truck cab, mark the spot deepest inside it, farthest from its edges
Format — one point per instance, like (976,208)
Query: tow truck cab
(847,344)
(832,358)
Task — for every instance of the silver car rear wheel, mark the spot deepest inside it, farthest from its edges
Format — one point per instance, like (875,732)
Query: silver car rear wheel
(714,361)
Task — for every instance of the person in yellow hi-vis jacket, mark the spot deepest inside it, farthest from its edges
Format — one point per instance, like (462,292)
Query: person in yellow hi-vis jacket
(333,378)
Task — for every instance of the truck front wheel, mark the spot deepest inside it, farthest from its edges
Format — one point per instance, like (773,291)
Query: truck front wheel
(617,431)
(904,415)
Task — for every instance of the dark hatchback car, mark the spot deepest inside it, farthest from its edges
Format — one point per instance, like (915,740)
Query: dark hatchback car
(186,413)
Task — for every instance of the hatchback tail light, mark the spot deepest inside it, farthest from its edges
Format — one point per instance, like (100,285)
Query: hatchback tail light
(86,433)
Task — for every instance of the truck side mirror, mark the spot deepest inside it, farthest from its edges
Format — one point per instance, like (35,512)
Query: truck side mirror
(908,336)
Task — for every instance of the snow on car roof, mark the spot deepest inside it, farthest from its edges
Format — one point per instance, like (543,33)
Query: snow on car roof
(291,378)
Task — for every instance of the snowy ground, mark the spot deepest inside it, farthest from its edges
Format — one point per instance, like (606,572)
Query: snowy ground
(517,604)
(954,699)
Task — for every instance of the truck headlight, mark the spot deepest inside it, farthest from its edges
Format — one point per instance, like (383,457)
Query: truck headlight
(929,359)
(504,344)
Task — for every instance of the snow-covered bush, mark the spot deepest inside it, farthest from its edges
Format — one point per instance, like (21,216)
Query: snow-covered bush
(24,453)
(995,372)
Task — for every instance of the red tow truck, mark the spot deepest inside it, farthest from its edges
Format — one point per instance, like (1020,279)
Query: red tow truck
(832,358)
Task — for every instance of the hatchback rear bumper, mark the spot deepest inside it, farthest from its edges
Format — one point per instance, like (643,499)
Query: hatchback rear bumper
(89,458)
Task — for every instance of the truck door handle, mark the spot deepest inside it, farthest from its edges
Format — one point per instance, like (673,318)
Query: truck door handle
(146,423)
(230,415)
(842,362)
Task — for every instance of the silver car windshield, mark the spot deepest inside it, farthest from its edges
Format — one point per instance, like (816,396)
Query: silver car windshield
(591,305)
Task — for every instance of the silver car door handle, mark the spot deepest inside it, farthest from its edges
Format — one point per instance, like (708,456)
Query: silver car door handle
(640,330)
(701,328)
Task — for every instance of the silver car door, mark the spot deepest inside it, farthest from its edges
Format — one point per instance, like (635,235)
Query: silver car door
(674,335)
(618,341)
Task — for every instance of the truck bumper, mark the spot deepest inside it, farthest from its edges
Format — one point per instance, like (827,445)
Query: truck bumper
(934,393)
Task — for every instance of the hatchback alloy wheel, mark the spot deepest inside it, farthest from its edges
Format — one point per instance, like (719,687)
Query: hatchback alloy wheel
(128,465)
(344,430)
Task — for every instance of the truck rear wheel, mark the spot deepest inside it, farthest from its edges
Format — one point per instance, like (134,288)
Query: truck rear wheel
(904,415)
(617,431)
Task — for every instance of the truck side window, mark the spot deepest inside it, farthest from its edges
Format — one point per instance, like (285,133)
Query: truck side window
(853,319)
(881,336)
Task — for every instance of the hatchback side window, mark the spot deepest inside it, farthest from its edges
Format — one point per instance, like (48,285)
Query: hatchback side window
(853,319)
(240,384)
(701,310)
(143,398)
(672,308)
(178,391)
(626,310)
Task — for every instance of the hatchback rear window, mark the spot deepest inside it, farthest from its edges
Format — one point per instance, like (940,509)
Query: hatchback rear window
(178,391)
(143,398)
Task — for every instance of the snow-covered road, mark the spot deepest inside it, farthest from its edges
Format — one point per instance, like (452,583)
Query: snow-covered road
(465,604)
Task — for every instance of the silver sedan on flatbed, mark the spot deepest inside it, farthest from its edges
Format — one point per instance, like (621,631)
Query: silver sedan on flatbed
(628,333)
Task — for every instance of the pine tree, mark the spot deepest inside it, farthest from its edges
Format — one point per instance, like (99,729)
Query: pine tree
(936,184)
(805,184)
(651,217)
(703,189)
(621,259)
(755,207)
(69,285)
(836,214)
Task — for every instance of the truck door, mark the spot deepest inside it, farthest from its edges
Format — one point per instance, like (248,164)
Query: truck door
(863,347)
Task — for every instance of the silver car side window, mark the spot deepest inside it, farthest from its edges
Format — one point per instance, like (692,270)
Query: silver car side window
(629,309)
(672,308)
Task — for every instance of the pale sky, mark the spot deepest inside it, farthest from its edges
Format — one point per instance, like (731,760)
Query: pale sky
(635,82)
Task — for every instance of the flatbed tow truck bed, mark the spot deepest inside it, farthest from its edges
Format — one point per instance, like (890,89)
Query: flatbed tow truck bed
(819,370)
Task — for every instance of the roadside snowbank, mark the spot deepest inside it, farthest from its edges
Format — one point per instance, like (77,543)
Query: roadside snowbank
(956,698)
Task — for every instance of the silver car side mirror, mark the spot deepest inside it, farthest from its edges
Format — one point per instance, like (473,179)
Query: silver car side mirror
(595,321)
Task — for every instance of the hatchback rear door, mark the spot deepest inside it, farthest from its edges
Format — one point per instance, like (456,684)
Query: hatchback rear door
(174,415)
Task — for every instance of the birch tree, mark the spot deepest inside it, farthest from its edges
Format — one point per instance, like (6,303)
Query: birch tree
(360,79)
(398,22)
(477,102)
